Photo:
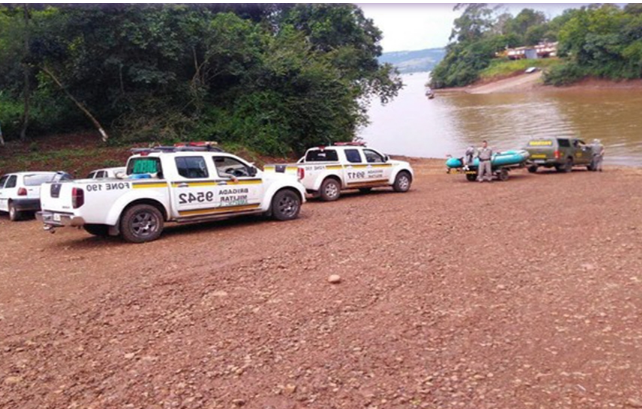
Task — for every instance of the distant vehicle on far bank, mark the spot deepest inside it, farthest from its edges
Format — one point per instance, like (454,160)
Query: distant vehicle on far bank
(559,153)
(20,192)
(106,173)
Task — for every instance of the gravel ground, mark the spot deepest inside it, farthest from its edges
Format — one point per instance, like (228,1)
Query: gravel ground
(518,294)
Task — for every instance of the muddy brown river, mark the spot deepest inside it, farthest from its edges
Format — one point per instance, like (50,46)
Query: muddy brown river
(416,126)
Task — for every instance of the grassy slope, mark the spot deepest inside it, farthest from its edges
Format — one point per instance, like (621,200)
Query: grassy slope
(500,68)
(78,154)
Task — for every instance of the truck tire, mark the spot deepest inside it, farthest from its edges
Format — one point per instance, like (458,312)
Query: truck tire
(100,230)
(471,177)
(567,167)
(141,223)
(532,169)
(402,182)
(286,205)
(14,214)
(330,190)
(502,175)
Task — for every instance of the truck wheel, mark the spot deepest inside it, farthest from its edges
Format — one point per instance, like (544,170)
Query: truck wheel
(402,182)
(471,177)
(503,175)
(141,223)
(286,205)
(330,190)
(532,169)
(100,230)
(14,215)
(566,167)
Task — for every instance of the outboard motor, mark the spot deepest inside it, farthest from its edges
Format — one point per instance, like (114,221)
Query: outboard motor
(469,156)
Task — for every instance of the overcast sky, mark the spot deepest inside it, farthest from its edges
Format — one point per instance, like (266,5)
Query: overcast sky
(417,26)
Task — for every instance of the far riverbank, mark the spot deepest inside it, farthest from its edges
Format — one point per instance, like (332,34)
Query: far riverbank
(526,83)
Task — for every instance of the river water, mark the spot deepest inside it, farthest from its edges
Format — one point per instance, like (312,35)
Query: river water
(413,125)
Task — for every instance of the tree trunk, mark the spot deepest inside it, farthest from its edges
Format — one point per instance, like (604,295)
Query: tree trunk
(78,104)
(27,73)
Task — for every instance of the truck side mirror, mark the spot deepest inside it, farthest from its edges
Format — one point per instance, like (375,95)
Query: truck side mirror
(386,158)
(252,171)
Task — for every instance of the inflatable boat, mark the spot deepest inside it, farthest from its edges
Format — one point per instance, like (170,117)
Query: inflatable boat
(501,159)
(500,163)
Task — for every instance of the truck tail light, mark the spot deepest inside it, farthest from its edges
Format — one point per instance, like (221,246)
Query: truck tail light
(300,173)
(22,192)
(77,197)
(557,154)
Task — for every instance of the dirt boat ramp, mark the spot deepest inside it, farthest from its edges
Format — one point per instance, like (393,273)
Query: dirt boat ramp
(518,294)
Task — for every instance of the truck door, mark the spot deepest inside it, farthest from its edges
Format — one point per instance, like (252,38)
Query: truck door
(583,152)
(238,188)
(355,169)
(194,192)
(378,171)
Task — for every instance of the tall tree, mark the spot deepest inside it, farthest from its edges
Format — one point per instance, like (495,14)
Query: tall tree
(27,76)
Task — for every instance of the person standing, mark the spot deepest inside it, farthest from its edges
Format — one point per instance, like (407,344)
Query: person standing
(598,155)
(484,170)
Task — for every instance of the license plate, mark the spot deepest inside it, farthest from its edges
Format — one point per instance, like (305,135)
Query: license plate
(56,217)
(538,156)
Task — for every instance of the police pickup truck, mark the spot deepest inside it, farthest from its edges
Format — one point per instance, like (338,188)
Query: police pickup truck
(327,170)
(169,184)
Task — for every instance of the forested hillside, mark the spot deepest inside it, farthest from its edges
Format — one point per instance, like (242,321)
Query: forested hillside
(414,61)
(603,41)
(277,78)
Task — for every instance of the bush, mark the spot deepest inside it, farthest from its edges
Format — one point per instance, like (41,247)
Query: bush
(10,117)
(564,74)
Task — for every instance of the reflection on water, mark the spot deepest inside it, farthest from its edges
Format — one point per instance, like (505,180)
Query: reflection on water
(413,125)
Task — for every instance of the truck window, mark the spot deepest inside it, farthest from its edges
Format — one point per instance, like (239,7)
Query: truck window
(353,155)
(37,180)
(139,166)
(91,175)
(372,156)
(230,167)
(3,180)
(564,143)
(192,167)
(318,155)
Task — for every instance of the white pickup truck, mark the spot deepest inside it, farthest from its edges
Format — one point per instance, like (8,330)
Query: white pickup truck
(161,185)
(325,171)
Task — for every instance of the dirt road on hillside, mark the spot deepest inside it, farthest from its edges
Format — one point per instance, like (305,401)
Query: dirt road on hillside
(518,294)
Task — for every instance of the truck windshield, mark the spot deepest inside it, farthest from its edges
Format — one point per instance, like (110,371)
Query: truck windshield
(318,155)
(139,166)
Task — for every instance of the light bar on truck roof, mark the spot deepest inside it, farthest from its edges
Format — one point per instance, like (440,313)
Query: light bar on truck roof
(354,143)
(180,147)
